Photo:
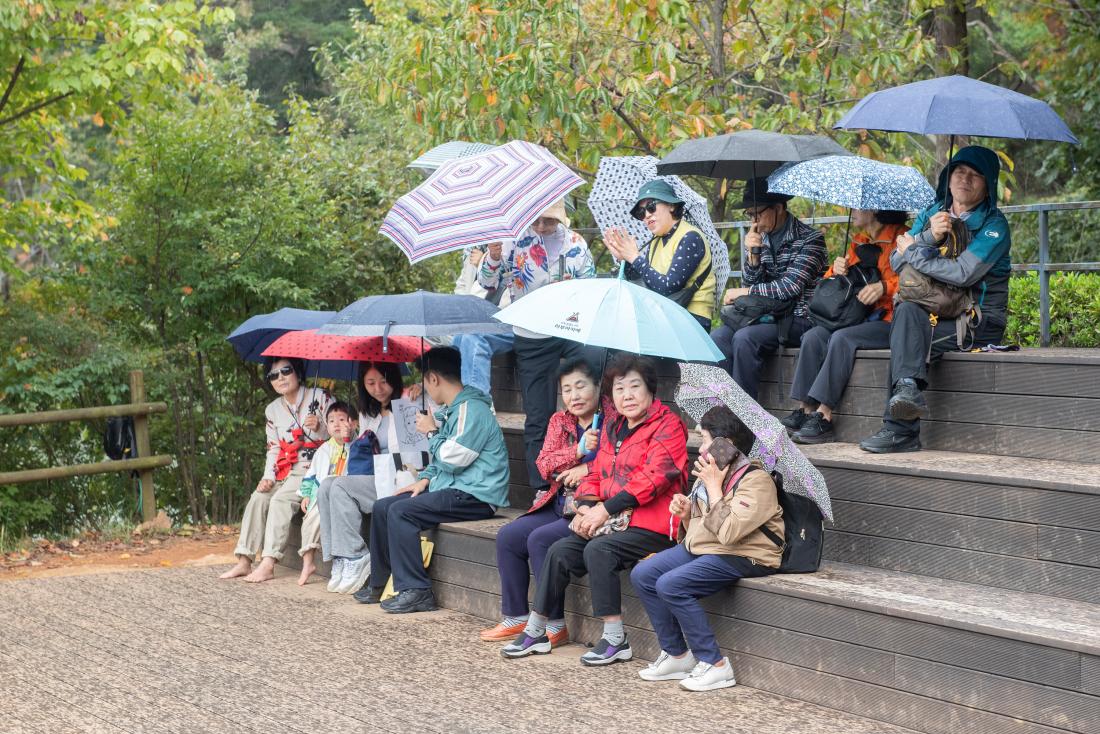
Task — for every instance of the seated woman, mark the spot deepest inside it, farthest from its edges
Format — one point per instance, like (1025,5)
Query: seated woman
(676,262)
(640,464)
(826,358)
(571,440)
(343,501)
(721,522)
(294,432)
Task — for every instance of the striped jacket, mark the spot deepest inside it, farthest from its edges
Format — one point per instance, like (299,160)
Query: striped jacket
(799,262)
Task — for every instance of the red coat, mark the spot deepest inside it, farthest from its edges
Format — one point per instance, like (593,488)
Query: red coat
(651,464)
(559,450)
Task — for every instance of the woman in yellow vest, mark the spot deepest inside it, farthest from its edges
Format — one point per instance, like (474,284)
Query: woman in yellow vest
(676,262)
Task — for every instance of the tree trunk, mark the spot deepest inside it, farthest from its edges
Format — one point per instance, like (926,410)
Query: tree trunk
(950,30)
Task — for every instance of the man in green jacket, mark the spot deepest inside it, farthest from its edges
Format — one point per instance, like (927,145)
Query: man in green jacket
(467,479)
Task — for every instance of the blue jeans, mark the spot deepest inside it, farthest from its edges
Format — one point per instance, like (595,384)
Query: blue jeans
(670,585)
(477,356)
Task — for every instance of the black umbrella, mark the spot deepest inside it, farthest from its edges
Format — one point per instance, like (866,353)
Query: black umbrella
(744,155)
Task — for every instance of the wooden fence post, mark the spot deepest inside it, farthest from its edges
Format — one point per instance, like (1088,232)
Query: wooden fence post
(141,434)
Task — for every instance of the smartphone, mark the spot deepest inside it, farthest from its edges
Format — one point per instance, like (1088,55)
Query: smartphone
(723,452)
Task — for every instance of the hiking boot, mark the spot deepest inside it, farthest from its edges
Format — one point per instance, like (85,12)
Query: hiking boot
(888,442)
(816,429)
(707,677)
(795,420)
(604,653)
(335,574)
(410,600)
(354,574)
(369,594)
(907,403)
(525,645)
(666,667)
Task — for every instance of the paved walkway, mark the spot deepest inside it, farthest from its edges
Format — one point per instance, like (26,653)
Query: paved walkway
(177,650)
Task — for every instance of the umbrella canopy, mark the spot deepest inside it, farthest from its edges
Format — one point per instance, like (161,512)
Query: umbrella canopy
(489,197)
(615,190)
(744,155)
(854,182)
(702,387)
(311,345)
(251,338)
(421,314)
(957,105)
(440,154)
(613,313)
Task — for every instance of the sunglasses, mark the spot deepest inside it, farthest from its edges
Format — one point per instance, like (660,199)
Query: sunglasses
(282,371)
(640,209)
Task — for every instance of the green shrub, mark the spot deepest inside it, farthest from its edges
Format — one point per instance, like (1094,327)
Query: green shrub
(1074,310)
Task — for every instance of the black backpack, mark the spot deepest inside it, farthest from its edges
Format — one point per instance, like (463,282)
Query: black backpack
(804,528)
(118,438)
(834,305)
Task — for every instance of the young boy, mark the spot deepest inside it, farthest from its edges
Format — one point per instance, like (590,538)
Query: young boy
(330,460)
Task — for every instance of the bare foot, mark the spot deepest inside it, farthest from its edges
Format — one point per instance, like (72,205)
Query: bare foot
(264,572)
(308,567)
(243,567)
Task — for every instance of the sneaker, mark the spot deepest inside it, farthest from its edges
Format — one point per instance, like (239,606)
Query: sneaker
(795,420)
(707,677)
(559,638)
(354,574)
(907,403)
(336,573)
(525,645)
(816,429)
(888,442)
(604,653)
(410,600)
(369,594)
(502,632)
(666,667)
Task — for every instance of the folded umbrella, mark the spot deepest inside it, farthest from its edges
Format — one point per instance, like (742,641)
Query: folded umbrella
(488,197)
(703,387)
(745,154)
(854,182)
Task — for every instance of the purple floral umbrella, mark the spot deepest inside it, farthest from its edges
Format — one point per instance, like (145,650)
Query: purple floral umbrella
(702,387)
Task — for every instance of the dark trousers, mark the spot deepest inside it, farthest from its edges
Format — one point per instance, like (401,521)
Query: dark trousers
(395,526)
(911,339)
(522,546)
(602,558)
(670,585)
(537,362)
(826,359)
(746,348)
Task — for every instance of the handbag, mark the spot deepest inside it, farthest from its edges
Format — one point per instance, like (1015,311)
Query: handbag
(618,522)
(941,299)
(835,304)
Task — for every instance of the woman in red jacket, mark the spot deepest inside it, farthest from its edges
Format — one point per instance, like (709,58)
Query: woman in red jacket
(522,544)
(640,464)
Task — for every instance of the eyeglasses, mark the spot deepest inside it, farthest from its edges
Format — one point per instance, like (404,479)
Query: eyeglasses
(283,371)
(641,209)
(757,213)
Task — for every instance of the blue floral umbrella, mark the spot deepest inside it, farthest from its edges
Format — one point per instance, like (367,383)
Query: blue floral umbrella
(854,182)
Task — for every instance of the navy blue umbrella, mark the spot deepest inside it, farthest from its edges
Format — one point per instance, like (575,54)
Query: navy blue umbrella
(957,105)
(420,314)
(251,338)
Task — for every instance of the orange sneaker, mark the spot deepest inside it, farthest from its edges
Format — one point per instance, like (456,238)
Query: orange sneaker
(559,638)
(502,632)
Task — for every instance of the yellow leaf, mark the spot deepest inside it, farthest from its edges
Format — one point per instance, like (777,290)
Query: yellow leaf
(97,120)
(491,98)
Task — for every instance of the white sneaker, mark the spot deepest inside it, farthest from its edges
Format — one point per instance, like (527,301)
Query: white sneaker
(337,573)
(354,574)
(707,677)
(666,667)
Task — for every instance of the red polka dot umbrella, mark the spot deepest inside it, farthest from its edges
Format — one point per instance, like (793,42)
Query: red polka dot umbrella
(316,347)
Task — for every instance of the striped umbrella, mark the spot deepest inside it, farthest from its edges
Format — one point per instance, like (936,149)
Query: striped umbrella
(440,154)
(489,197)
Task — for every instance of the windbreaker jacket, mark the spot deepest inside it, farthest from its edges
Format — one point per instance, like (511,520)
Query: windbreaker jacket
(468,452)
(651,464)
(731,526)
(559,450)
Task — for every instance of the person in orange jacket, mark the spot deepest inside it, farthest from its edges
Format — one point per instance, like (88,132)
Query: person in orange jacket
(826,357)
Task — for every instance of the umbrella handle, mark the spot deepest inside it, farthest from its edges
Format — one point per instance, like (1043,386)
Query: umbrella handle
(622,269)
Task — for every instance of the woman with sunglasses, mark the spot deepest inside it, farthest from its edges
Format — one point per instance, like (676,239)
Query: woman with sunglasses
(294,431)
(676,261)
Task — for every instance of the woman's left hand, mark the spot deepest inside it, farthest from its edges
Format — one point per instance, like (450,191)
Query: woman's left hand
(870,293)
(311,422)
(709,474)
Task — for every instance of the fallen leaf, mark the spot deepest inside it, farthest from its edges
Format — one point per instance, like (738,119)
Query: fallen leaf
(166,562)
(124,556)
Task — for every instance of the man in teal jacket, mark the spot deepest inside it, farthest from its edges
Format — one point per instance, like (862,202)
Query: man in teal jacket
(467,479)
(967,191)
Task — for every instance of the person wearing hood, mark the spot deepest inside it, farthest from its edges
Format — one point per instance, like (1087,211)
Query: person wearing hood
(466,479)
(551,252)
(786,257)
(967,193)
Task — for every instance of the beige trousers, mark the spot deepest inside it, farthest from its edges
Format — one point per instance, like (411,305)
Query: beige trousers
(311,528)
(266,522)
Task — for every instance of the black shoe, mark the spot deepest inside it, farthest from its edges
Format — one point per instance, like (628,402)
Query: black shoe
(795,420)
(410,600)
(907,403)
(369,594)
(816,429)
(888,442)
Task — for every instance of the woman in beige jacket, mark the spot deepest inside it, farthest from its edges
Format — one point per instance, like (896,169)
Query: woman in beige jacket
(721,521)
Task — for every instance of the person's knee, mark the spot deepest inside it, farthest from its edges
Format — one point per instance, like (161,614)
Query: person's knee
(644,576)
(511,538)
(597,556)
(669,587)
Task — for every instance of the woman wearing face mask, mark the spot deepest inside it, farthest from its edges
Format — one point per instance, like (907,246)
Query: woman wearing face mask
(571,441)
(826,358)
(640,464)
(294,432)
(676,262)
